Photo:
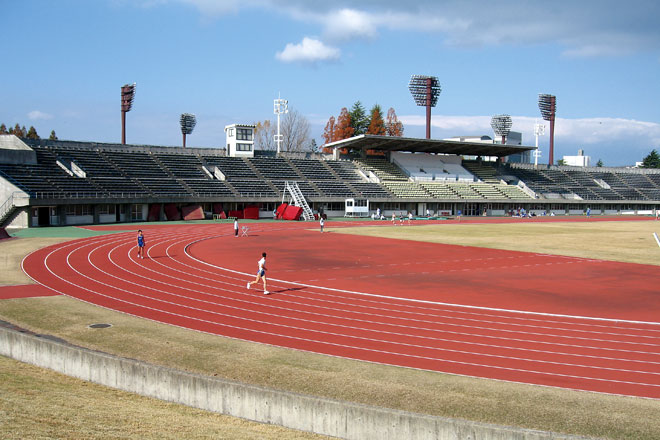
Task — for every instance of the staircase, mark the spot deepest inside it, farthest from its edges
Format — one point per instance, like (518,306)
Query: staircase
(298,199)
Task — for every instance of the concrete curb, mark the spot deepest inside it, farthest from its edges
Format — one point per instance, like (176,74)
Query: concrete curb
(306,413)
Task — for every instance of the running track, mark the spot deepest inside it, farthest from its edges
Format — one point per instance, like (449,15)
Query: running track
(532,318)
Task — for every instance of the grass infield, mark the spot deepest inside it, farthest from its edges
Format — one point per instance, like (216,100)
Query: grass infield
(490,401)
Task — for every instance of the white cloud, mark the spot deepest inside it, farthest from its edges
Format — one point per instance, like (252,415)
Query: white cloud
(584,28)
(36,115)
(347,24)
(308,51)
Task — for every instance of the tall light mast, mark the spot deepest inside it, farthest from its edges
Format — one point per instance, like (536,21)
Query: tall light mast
(127,96)
(188,122)
(539,130)
(501,125)
(548,107)
(425,91)
(281,107)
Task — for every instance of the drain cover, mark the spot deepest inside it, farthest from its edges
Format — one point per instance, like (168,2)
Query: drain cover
(99,325)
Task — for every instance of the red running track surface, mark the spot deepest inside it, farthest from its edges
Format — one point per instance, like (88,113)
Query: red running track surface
(532,318)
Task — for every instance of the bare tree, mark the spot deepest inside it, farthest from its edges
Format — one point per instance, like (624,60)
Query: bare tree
(264,136)
(295,132)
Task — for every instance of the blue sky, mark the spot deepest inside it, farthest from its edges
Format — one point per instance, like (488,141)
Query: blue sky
(225,61)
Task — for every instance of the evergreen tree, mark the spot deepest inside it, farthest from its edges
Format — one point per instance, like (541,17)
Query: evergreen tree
(3,129)
(599,163)
(376,123)
(53,136)
(652,160)
(359,119)
(32,133)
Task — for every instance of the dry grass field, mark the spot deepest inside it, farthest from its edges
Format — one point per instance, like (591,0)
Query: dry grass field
(30,397)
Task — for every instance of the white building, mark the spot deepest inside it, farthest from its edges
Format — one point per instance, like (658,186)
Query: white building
(578,161)
(240,140)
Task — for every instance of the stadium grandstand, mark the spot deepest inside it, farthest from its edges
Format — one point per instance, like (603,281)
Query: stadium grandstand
(52,182)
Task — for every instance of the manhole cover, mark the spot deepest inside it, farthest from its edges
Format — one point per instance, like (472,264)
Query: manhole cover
(99,325)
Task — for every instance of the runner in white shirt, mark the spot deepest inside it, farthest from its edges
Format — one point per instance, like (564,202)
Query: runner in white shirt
(261,274)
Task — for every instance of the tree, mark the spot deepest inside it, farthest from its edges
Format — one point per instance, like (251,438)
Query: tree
(17,131)
(329,131)
(343,129)
(295,132)
(652,160)
(313,147)
(53,136)
(393,127)
(32,133)
(561,162)
(264,136)
(599,163)
(376,123)
(3,129)
(359,119)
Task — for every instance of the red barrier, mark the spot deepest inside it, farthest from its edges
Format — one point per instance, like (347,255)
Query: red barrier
(192,212)
(237,214)
(292,213)
(280,210)
(154,212)
(172,212)
(217,208)
(251,212)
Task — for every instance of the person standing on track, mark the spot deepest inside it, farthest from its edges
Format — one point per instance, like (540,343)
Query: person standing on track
(322,223)
(140,244)
(236,227)
(261,274)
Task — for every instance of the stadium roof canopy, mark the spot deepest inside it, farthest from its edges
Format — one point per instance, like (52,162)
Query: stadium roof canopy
(393,143)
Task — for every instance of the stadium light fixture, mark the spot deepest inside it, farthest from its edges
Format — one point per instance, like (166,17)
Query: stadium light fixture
(539,130)
(501,125)
(127,96)
(281,106)
(548,107)
(425,91)
(188,122)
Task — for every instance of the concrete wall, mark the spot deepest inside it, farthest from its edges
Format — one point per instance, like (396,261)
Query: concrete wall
(307,413)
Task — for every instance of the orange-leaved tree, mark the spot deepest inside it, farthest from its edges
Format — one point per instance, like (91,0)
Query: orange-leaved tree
(393,127)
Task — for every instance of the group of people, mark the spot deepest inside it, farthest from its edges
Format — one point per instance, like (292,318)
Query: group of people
(401,218)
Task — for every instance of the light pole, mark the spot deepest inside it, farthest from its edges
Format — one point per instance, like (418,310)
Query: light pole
(501,125)
(127,96)
(548,107)
(425,91)
(539,130)
(188,122)
(281,107)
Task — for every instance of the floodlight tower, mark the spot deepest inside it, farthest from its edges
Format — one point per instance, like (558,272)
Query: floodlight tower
(539,130)
(548,107)
(127,96)
(281,107)
(425,91)
(188,122)
(501,125)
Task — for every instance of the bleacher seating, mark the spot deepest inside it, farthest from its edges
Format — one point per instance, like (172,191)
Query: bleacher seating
(274,168)
(345,170)
(312,169)
(115,171)
(231,167)
(382,168)
(407,190)
(184,166)
(425,167)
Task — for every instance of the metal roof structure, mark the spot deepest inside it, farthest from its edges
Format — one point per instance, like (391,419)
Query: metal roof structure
(393,143)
